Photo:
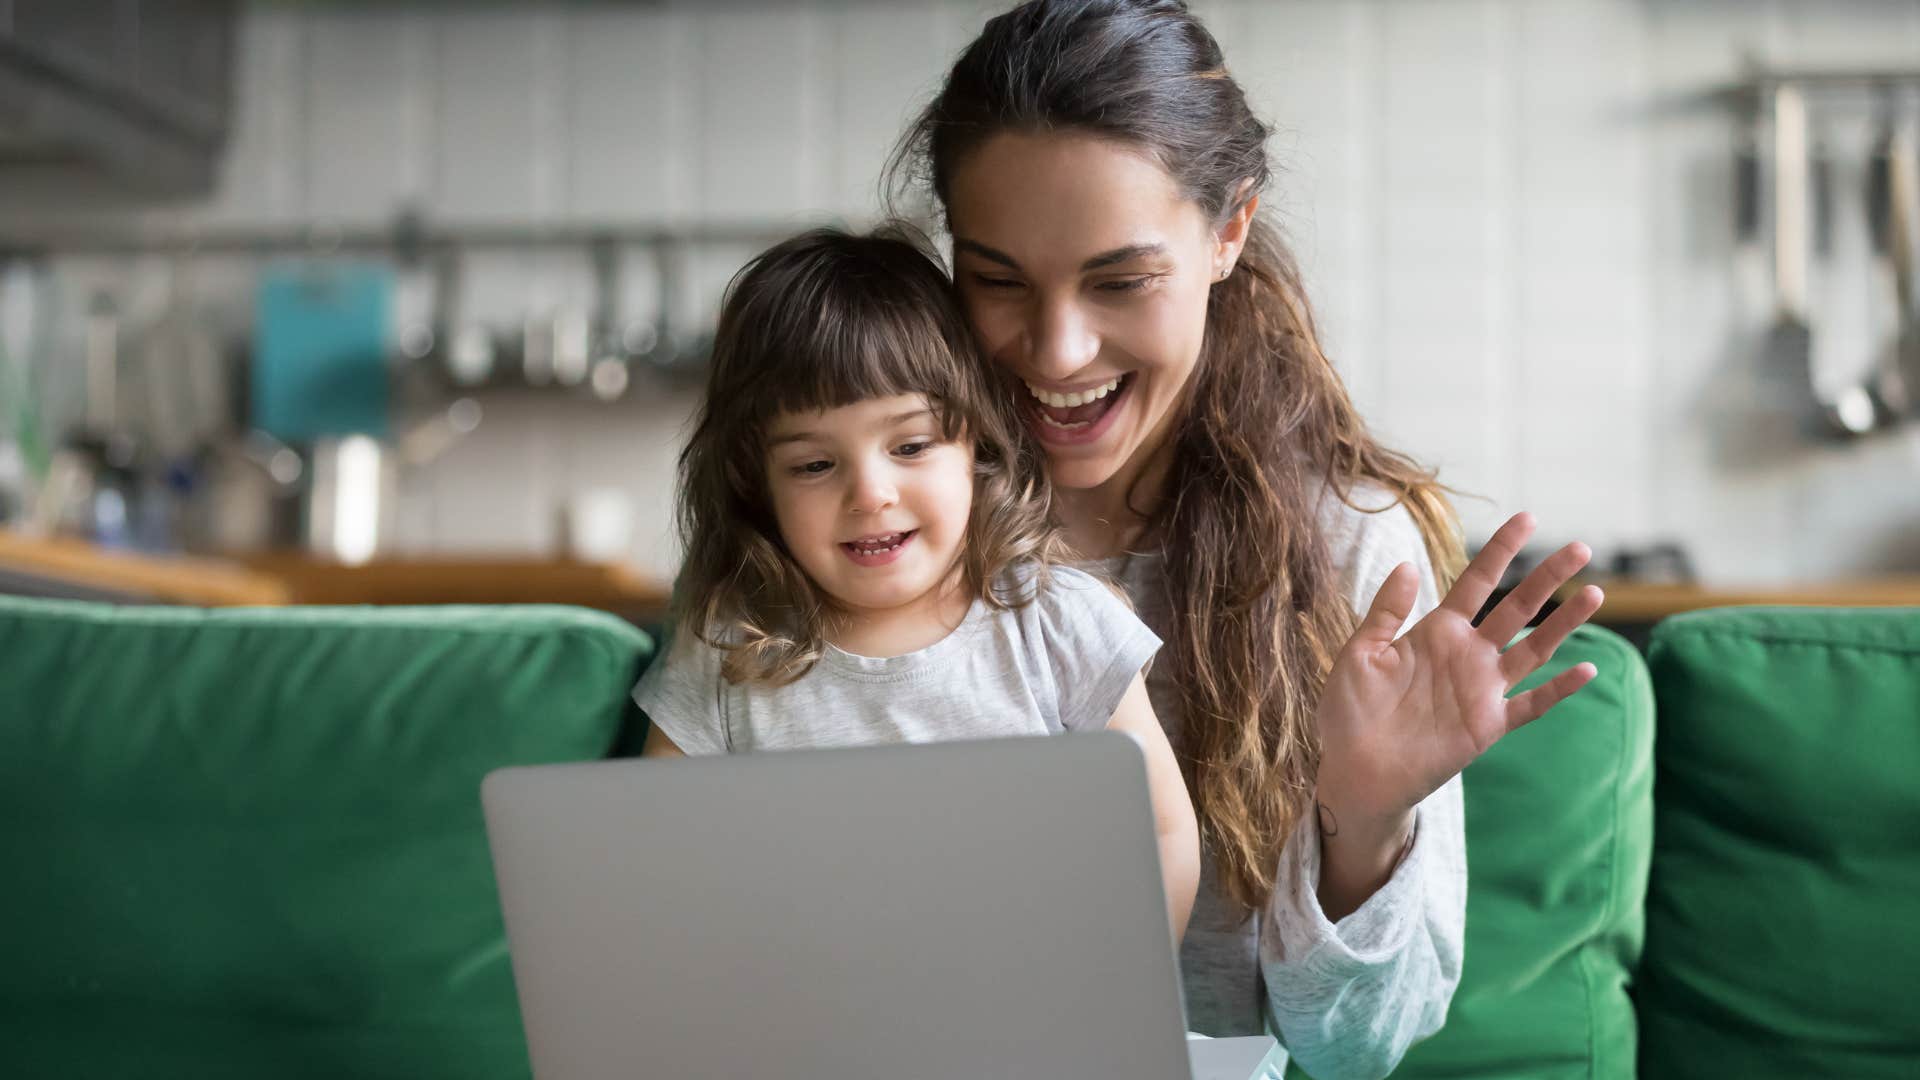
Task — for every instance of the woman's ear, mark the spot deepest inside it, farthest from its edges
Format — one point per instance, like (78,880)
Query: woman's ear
(1231,236)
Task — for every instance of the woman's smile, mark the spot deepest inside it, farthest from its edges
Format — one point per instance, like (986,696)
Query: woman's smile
(1077,418)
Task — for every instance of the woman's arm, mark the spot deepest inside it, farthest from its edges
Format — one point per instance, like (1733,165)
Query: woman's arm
(1349,996)
(1404,710)
(1361,946)
(1173,819)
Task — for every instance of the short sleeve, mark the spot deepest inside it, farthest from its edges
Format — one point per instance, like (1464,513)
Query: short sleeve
(681,695)
(1095,646)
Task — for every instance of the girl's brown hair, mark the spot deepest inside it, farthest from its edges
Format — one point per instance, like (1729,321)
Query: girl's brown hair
(1257,615)
(822,320)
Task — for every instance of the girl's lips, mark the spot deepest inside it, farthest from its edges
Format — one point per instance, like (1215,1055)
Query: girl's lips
(1080,424)
(866,555)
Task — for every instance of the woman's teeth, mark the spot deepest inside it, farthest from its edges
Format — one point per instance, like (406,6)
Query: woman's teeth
(1068,401)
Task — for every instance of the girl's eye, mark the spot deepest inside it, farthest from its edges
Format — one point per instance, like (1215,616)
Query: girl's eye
(812,468)
(915,449)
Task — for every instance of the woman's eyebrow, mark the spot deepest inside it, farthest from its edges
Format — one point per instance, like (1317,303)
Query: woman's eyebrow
(1105,258)
(1122,254)
(987,253)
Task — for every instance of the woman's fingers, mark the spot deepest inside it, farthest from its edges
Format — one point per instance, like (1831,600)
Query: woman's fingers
(1526,657)
(1483,574)
(1390,607)
(1518,607)
(1532,705)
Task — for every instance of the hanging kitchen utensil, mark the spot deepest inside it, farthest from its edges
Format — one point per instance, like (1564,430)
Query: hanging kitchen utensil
(609,374)
(1791,351)
(320,350)
(1788,354)
(90,483)
(1849,404)
(1900,370)
(177,381)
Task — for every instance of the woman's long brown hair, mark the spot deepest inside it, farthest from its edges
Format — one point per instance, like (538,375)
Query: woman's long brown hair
(822,320)
(1267,430)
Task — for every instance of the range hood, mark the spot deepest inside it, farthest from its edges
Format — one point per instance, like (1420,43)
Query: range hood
(136,92)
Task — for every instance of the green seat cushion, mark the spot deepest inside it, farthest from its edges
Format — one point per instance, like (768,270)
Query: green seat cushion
(1559,833)
(1783,919)
(249,843)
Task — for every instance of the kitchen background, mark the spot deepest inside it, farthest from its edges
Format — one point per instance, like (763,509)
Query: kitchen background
(1528,226)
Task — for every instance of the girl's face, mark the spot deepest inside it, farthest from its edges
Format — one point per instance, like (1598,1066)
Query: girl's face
(871,500)
(1086,274)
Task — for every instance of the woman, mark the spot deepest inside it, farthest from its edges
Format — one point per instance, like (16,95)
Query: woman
(1100,174)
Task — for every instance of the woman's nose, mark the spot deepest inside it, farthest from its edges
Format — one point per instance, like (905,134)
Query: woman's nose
(1061,340)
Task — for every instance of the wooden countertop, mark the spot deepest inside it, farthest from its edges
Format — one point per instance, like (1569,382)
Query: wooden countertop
(170,579)
(1638,602)
(293,578)
(466,580)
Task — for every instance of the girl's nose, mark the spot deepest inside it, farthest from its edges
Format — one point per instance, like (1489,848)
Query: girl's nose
(871,492)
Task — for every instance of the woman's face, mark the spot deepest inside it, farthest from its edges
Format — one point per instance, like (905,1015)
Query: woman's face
(1086,274)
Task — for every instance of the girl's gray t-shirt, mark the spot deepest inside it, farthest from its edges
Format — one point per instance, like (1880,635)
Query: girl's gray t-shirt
(1058,663)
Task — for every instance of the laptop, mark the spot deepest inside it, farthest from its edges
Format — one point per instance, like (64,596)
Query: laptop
(973,910)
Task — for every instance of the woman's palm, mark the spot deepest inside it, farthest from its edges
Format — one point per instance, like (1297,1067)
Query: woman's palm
(1400,717)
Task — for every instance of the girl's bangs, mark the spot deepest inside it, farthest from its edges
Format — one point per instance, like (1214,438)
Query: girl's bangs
(861,348)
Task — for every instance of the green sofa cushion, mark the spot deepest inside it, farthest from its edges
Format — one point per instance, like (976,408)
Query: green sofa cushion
(1782,935)
(248,843)
(1559,833)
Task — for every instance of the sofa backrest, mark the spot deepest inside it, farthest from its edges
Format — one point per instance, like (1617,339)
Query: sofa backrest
(1783,916)
(248,843)
(1559,829)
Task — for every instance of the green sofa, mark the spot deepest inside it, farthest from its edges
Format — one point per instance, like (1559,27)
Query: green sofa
(248,843)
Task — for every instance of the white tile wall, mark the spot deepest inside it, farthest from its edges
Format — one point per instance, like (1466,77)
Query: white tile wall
(1514,215)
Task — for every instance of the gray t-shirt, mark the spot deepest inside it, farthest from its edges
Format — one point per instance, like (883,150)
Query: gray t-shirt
(1058,663)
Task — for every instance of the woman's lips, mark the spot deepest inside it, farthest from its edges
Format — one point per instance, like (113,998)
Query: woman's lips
(1077,424)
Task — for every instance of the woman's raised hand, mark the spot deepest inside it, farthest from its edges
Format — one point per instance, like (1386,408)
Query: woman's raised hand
(1399,718)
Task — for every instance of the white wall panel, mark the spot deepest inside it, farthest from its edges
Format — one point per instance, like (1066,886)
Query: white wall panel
(499,128)
(761,81)
(1513,216)
(364,94)
(631,137)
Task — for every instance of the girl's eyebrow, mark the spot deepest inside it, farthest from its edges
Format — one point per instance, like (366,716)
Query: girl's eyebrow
(790,437)
(802,436)
(1105,258)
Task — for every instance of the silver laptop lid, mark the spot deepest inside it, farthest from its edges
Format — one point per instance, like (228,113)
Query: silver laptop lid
(965,910)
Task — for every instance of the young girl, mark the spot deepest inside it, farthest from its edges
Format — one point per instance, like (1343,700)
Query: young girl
(869,558)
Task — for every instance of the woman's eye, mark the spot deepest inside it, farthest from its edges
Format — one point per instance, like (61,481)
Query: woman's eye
(1125,285)
(996,282)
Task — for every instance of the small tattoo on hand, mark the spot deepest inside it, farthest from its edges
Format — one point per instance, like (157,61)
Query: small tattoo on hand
(1329,825)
